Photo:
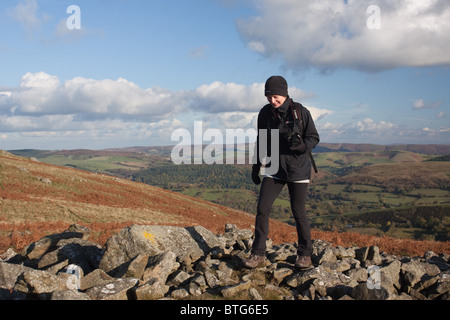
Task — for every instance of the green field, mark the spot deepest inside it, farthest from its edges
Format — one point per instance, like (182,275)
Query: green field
(95,164)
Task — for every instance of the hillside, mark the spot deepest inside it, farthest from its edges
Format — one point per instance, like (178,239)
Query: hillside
(37,199)
(435,174)
(351,147)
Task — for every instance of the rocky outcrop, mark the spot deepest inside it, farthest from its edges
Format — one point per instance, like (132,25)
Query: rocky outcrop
(166,262)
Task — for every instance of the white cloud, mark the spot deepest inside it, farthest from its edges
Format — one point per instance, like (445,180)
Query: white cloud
(420,104)
(329,34)
(199,53)
(41,103)
(91,113)
(227,97)
(42,94)
(26,13)
(367,130)
(440,115)
(39,80)
(369,125)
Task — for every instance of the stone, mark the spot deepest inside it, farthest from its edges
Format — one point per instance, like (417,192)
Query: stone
(9,273)
(281,273)
(180,294)
(231,291)
(137,266)
(151,290)
(160,267)
(69,295)
(118,289)
(211,279)
(254,294)
(40,282)
(327,255)
(162,262)
(77,251)
(180,277)
(96,278)
(362,292)
(152,240)
(37,249)
(358,274)
(390,276)
(414,271)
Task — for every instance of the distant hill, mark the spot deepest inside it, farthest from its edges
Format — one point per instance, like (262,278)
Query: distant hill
(433,149)
(430,174)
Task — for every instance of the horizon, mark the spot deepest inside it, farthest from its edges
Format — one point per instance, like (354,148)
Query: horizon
(235,145)
(101,75)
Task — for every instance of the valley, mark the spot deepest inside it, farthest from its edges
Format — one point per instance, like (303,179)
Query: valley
(371,189)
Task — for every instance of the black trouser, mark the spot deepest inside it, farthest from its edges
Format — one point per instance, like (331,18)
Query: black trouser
(270,189)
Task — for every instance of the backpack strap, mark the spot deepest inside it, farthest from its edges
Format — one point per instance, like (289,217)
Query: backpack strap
(299,122)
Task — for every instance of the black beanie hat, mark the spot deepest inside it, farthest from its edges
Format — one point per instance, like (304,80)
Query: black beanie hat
(276,85)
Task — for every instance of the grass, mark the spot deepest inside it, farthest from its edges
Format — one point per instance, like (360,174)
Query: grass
(101,164)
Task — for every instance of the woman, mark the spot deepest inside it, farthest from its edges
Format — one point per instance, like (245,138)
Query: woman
(297,137)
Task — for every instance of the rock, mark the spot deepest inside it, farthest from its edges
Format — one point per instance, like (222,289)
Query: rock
(161,262)
(254,294)
(118,289)
(368,256)
(77,251)
(414,271)
(231,291)
(38,248)
(8,255)
(358,274)
(184,242)
(200,281)
(327,255)
(9,273)
(45,180)
(96,278)
(211,279)
(179,293)
(151,290)
(180,277)
(341,252)
(339,266)
(69,295)
(281,273)
(441,287)
(362,292)
(232,232)
(390,276)
(373,256)
(40,282)
(194,289)
(137,266)
(160,266)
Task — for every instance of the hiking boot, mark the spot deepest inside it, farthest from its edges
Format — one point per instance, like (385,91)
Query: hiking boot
(254,261)
(303,262)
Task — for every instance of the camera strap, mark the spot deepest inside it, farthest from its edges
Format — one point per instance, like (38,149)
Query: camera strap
(297,117)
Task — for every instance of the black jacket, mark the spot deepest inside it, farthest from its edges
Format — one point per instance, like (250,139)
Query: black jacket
(293,165)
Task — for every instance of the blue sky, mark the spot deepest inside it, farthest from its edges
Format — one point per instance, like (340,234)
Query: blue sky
(137,70)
